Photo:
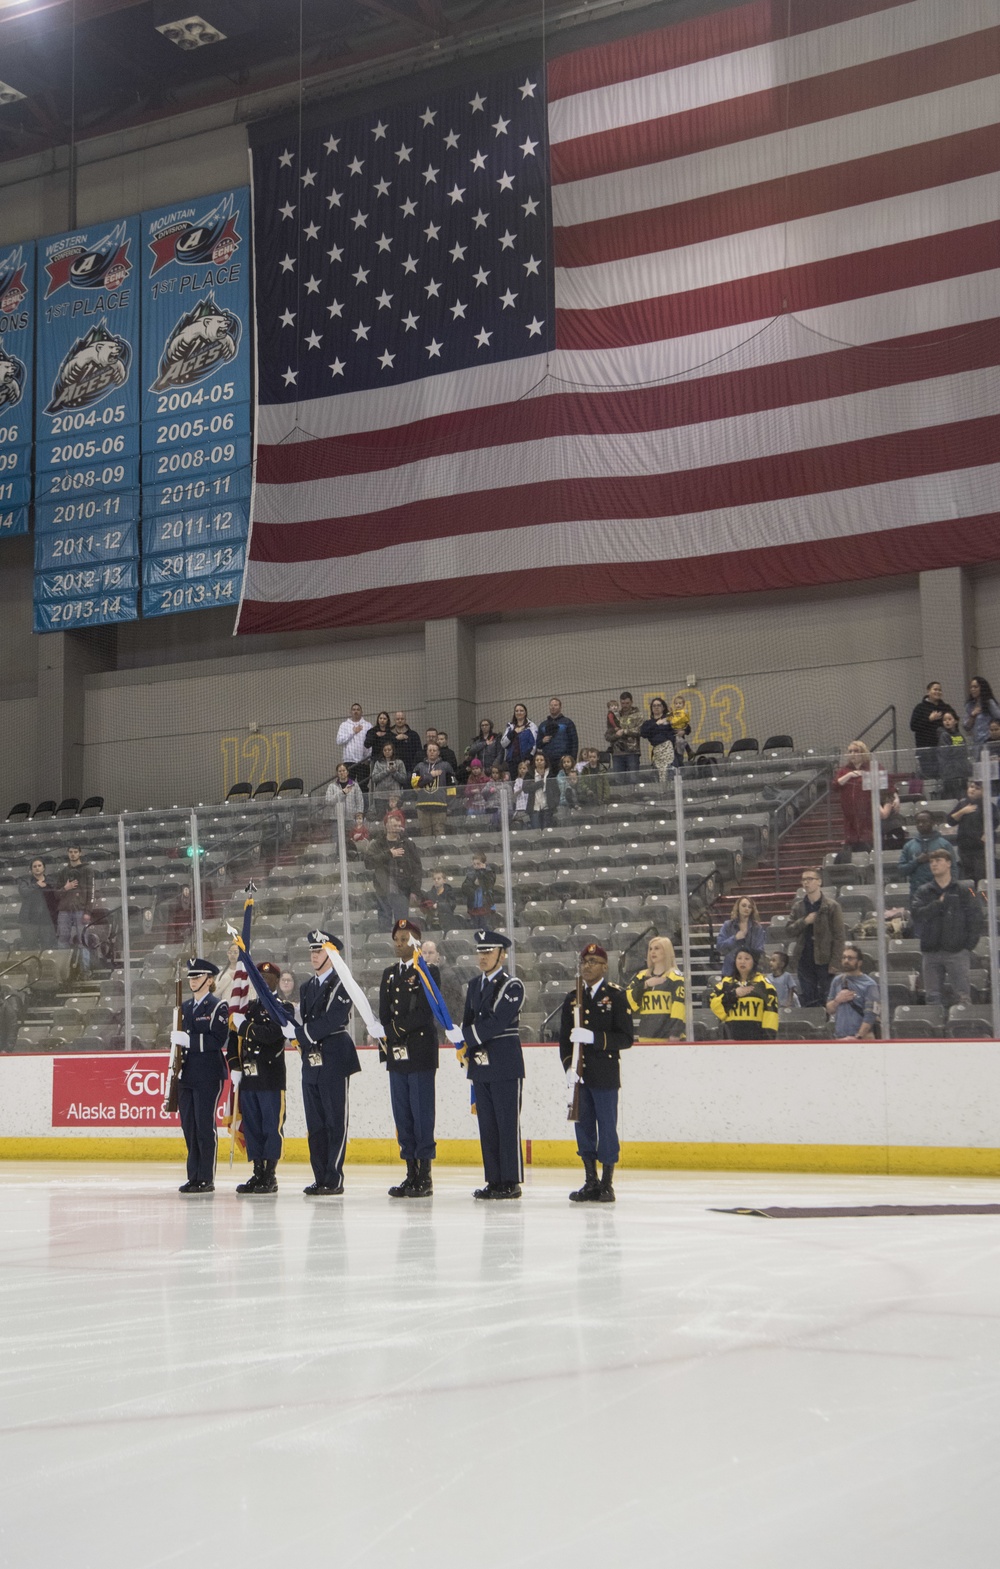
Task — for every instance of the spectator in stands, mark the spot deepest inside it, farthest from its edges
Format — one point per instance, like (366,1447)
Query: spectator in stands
(746,1001)
(342,785)
(450,986)
(914,860)
(925,721)
(472,790)
(744,929)
(948,918)
(680,718)
(954,756)
(352,737)
(816,925)
(657,994)
(786,987)
(288,992)
(39,903)
(543,792)
(893,825)
(430,739)
(993,744)
(446,752)
(486,746)
(380,732)
(478,889)
(518,740)
(396,869)
(566,781)
(593,788)
(76,894)
(659,732)
(358,836)
(433,779)
(440,901)
(492,793)
(394,812)
(853,1002)
(855,801)
(967,818)
(557,734)
(979,710)
(388,777)
(95,943)
(180,916)
(523,793)
(622,734)
(406,742)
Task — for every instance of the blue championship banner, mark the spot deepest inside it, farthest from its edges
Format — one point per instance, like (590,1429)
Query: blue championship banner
(196,411)
(17,310)
(87,407)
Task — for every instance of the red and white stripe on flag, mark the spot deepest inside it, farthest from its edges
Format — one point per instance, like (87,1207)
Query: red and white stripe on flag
(775,247)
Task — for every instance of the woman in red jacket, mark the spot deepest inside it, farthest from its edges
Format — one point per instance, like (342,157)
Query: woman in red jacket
(855,800)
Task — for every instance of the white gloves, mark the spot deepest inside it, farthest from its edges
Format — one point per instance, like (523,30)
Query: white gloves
(237,1077)
(288,1031)
(180,1038)
(237,1020)
(584,1037)
(376,1032)
(455,1036)
(572,1079)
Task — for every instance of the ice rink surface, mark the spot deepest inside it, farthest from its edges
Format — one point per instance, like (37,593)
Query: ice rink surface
(368,1382)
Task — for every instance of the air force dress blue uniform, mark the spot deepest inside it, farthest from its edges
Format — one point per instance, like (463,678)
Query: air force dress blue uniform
(495,1064)
(257,1052)
(202,1077)
(329,1058)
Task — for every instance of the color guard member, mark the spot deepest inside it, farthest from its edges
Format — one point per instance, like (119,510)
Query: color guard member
(604,1032)
(329,1057)
(257,1059)
(495,1064)
(203,1074)
(410,1052)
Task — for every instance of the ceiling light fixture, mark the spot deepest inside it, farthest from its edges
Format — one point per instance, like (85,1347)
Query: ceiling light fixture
(191,32)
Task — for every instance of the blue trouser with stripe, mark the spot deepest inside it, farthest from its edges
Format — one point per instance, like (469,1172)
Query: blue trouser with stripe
(263,1113)
(412,1096)
(324,1099)
(197,1107)
(597,1129)
(498,1107)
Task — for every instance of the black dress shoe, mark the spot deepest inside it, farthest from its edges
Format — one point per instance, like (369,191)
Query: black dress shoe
(508,1190)
(312,1190)
(316,1191)
(187,1187)
(489,1192)
(203,1187)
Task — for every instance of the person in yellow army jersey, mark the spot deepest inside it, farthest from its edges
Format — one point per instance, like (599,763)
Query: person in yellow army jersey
(658,996)
(745,1001)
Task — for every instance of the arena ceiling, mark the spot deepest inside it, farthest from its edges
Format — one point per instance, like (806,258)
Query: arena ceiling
(75,69)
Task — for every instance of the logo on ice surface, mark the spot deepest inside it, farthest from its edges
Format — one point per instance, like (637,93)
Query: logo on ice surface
(96,364)
(203,339)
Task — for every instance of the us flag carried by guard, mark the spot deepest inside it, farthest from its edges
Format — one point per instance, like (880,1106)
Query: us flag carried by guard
(707,309)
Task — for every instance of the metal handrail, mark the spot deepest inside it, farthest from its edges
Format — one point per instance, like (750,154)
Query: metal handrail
(788,806)
(886,734)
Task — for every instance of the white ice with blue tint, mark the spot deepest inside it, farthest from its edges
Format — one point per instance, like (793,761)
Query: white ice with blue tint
(363,1382)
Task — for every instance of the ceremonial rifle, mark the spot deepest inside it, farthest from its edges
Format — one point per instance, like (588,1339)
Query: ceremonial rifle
(174,1065)
(573,1113)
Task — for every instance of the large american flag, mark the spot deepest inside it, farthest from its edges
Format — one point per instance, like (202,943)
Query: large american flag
(713,308)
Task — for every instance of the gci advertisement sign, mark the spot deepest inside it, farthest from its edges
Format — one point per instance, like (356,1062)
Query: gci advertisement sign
(111,1091)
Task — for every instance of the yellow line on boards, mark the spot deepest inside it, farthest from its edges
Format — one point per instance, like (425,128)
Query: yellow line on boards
(863,1159)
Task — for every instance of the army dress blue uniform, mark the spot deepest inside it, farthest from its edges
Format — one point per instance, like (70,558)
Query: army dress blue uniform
(258,1053)
(329,1058)
(495,1064)
(410,1052)
(202,1078)
(604,1013)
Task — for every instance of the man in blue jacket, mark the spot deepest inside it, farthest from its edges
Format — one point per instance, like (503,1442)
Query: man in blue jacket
(915,856)
(204,1071)
(557,736)
(495,1064)
(329,1058)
